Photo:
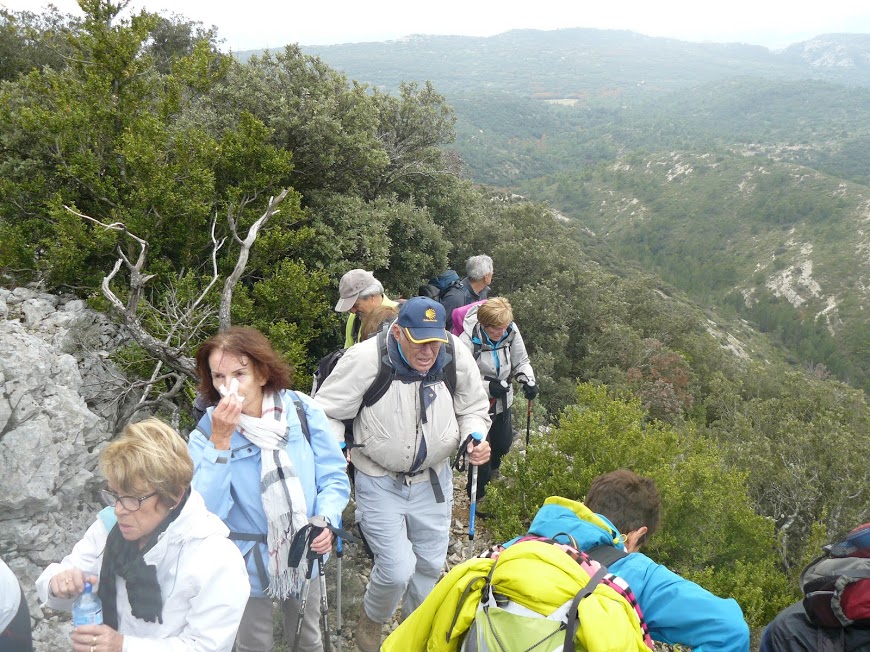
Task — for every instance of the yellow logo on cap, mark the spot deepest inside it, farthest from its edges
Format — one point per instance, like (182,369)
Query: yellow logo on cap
(430,315)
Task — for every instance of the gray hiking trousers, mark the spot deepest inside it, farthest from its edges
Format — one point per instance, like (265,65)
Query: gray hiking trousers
(408,531)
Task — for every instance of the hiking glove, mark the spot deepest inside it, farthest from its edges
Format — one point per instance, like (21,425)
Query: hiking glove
(498,388)
(531,391)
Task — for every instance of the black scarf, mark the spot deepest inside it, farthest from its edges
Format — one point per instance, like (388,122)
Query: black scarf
(125,558)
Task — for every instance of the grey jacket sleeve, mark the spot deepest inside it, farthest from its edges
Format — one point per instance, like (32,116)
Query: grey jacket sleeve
(520,364)
(340,396)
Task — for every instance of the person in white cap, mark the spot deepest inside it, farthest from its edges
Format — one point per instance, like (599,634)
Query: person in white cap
(404,436)
(359,293)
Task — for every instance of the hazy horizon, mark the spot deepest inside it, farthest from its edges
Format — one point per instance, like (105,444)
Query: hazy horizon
(270,24)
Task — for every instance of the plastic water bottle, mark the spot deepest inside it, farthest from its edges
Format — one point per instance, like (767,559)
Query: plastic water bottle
(87,609)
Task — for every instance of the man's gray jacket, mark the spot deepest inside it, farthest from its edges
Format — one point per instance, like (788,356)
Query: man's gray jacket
(390,432)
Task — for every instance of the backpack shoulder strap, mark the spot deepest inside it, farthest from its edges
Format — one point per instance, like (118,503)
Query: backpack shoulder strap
(387,373)
(573,617)
(303,419)
(476,341)
(450,368)
(385,376)
(605,554)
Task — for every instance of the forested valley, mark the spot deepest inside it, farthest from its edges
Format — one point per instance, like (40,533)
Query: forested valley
(135,157)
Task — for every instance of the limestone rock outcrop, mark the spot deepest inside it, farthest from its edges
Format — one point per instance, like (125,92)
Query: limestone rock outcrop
(59,397)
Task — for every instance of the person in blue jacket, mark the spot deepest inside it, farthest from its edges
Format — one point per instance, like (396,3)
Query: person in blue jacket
(258,471)
(676,610)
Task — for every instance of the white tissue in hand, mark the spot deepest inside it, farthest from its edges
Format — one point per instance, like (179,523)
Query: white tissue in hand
(232,391)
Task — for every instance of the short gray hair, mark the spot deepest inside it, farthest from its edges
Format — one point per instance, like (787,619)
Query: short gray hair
(477,267)
(372,290)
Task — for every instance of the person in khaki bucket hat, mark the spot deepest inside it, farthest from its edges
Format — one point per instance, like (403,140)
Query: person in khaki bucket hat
(359,293)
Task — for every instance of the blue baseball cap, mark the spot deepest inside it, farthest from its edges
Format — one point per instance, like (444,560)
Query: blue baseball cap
(423,320)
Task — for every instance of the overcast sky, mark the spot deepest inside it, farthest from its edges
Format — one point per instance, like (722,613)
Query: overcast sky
(253,24)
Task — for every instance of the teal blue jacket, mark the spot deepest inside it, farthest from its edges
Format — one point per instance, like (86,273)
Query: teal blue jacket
(676,610)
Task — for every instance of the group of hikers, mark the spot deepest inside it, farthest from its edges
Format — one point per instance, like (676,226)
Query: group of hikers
(199,540)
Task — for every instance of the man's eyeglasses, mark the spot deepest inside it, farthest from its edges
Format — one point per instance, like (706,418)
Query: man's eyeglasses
(432,344)
(130,503)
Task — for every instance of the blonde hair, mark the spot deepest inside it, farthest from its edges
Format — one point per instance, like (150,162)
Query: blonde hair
(495,313)
(374,320)
(148,456)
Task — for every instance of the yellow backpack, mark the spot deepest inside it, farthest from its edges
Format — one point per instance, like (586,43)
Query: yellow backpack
(533,596)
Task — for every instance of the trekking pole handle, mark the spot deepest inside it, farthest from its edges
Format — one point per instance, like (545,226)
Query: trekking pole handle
(318,524)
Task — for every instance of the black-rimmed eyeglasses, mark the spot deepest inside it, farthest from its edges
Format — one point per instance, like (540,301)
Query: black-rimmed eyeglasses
(130,503)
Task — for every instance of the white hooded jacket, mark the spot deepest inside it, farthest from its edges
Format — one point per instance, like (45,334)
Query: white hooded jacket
(202,577)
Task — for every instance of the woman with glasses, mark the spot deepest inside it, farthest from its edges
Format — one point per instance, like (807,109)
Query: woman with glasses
(167,576)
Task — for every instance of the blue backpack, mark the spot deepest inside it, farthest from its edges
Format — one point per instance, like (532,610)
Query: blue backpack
(438,286)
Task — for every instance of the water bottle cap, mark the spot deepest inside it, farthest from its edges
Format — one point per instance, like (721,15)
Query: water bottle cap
(88,587)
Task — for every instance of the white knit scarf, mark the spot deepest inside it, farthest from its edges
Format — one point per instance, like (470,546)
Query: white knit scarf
(282,495)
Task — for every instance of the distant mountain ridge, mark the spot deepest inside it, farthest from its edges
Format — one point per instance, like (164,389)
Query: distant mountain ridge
(579,61)
(842,51)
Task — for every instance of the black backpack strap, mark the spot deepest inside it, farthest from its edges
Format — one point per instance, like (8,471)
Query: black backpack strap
(385,376)
(449,370)
(476,341)
(605,554)
(303,419)
(573,614)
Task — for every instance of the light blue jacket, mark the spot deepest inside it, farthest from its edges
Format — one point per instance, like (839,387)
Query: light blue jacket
(229,481)
(676,610)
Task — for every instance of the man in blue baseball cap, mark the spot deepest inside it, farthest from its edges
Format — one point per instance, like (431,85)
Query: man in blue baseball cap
(414,395)
(421,332)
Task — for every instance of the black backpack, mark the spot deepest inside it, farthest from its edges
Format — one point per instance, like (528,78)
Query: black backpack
(324,368)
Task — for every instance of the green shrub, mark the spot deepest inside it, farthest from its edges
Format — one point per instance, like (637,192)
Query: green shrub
(709,531)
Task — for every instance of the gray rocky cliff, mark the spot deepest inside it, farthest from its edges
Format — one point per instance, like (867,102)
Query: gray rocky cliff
(60,401)
(59,397)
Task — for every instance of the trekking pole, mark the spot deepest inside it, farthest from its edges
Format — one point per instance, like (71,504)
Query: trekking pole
(529,420)
(301,541)
(324,604)
(339,553)
(314,528)
(477,438)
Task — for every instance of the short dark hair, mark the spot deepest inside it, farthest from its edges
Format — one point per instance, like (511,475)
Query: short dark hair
(243,342)
(630,501)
